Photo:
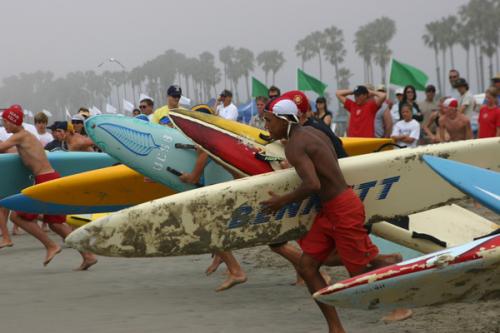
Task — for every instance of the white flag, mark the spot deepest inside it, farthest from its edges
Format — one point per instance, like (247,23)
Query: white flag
(68,115)
(47,113)
(144,96)
(185,101)
(127,106)
(110,108)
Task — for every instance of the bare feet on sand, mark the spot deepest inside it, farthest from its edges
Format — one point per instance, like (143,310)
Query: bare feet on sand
(51,253)
(6,244)
(231,281)
(86,264)
(214,265)
(397,315)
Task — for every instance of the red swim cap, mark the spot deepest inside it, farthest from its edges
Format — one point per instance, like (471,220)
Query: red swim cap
(298,97)
(14,114)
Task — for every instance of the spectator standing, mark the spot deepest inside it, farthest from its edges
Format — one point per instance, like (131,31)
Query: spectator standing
(224,106)
(410,97)
(41,121)
(174,93)
(58,133)
(362,110)
(273,92)
(453,75)
(495,82)
(383,119)
(258,119)
(77,121)
(455,123)
(322,112)
(146,106)
(429,104)
(489,115)
(466,102)
(395,107)
(406,132)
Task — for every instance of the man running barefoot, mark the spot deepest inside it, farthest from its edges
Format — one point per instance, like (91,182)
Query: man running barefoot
(339,225)
(34,158)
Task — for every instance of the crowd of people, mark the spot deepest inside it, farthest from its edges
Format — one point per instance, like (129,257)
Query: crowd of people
(312,148)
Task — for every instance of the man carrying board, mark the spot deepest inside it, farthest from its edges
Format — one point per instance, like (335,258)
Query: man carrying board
(338,229)
(34,158)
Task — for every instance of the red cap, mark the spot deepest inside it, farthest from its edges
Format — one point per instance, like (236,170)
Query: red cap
(450,103)
(14,114)
(298,97)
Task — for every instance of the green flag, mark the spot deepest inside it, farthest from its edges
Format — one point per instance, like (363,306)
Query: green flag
(306,82)
(258,88)
(403,75)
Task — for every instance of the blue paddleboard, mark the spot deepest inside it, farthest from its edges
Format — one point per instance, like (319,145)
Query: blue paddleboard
(17,177)
(481,184)
(158,152)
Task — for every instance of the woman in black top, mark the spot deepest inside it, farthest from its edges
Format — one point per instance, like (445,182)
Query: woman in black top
(410,97)
(322,112)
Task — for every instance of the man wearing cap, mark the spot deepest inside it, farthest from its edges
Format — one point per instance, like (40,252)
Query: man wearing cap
(338,232)
(58,129)
(362,110)
(224,106)
(466,102)
(455,123)
(395,107)
(273,92)
(174,93)
(34,158)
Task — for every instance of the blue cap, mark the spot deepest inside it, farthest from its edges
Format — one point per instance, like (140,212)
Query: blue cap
(142,117)
(165,120)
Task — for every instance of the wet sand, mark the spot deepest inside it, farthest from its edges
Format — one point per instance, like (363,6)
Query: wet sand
(174,295)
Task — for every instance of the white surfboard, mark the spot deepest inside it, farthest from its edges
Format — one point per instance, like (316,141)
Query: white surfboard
(465,273)
(230,216)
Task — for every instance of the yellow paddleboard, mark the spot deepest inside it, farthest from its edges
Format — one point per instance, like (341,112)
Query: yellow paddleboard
(76,221)
(353,146)
(112,186)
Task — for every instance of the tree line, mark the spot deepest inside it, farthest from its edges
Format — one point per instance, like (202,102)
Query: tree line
(474,28)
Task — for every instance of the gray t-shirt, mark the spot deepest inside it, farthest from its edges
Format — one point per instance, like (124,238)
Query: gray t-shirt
(468,100)
(379,121)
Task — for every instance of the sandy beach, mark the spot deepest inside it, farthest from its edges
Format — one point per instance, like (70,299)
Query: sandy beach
(174,295)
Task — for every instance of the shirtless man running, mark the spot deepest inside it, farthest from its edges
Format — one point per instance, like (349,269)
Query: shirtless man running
(455,123)
(337,232)
(34,158)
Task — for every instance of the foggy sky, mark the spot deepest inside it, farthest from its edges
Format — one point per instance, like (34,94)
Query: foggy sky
(69,35)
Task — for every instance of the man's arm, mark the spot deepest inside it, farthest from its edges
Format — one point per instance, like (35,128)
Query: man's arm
(498,131)
(380,96)
(306,171)
(427,124)
(387,122)
(468,130)
(216,104)
(9,143)
(199,166)
(342,95)
(442,129)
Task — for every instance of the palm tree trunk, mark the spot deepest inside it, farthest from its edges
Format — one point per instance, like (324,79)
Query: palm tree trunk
(186,79)
(371,73)
(320,66)
(134,91)
(248,87)
(491,65)
(382,72)
(444,70)
(438,73)
(476,65)
(481,68)
(336,67)
(467,63)
(225,76)
(302,65)
(497,60)
(452,57)
(274,75)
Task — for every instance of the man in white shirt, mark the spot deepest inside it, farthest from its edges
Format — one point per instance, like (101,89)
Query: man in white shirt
(224,106)
(395,106)
(406,132)
(41,121)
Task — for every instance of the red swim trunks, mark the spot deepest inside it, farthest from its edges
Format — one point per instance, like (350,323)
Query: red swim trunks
(46,218)
(339,225)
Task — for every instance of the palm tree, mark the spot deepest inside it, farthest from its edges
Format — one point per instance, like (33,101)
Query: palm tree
(384,29)
(364,46)
(304,50)
(265,59)
(317,42)
(226,56)
(245,60)
(464,39)
(431,40)
(334,49)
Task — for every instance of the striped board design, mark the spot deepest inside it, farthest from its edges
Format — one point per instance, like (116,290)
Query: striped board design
(464,273)
(66,163)
(229,215)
